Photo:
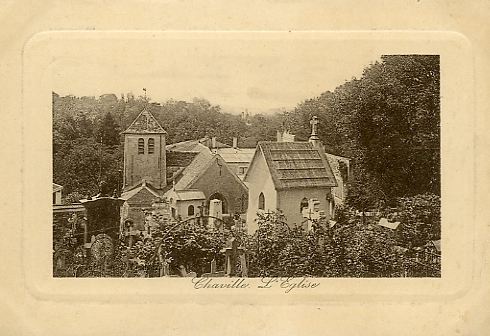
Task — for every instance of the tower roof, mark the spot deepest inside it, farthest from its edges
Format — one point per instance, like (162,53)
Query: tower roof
(145,123)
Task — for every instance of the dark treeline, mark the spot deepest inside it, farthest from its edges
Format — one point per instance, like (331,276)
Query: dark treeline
(88,145)
(387,122)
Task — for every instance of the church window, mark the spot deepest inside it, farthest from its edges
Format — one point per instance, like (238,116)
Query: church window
(190,210)
(303,204)
(151,146)
(141,146)
(261,201)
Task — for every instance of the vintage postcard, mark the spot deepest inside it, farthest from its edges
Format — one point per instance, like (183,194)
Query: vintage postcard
(286,161)
(272,169)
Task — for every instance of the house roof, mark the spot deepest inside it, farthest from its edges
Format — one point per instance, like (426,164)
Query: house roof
(198,167)
(187,195)
(201,145)
(296,165)
(237,155)
(57,187)
(180,159)
(194,169)
(188,146)
(145,123)
(141,194)
(208,143)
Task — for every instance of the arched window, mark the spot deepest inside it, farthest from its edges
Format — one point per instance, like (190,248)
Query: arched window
(303,204)
(141,146)
(261,201)
(151,146)
(190,210)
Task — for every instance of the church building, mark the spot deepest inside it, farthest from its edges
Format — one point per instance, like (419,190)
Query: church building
(188,179)
(292,177)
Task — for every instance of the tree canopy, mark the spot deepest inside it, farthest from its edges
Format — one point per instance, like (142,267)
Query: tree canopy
(388,122)
(88,145)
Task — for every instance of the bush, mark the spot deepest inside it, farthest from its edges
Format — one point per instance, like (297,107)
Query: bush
(420,216)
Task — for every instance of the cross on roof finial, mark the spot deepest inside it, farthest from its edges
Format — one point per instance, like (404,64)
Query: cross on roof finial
(314,122)
(314,139)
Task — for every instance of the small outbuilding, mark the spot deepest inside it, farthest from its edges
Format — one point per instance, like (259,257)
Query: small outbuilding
(294,178)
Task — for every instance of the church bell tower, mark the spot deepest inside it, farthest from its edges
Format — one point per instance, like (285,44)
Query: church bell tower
(144,152)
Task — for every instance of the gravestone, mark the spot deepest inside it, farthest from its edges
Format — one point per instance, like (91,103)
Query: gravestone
(215,210)
(233,253)
(213,273)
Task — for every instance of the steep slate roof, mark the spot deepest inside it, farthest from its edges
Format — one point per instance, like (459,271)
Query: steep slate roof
(145,122)
(297,165)
(180,159)
(193,170)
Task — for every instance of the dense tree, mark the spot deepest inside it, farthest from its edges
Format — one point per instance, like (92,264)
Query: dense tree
(108,132)
(398,124)
(420,218)
(83,163)
(388,122)
(87,145)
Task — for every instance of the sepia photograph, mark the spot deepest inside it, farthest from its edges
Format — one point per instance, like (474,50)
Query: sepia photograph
(254,168)
(246,158)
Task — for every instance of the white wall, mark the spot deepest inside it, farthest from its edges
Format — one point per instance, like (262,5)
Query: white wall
(259,180)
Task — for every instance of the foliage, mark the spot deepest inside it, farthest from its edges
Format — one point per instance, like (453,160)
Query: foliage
(73,197)
(82,163)
(190,245)
(350,249)
(88,147)
(420,216)
(108,131)
(388,122)
(266,245)
(366,249)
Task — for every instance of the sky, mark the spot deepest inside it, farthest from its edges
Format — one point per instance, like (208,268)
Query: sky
(252,72)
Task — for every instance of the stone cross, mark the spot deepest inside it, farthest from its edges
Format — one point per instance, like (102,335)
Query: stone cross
(314,122)
(233,252)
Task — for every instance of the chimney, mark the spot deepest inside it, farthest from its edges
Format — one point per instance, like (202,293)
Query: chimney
(235,143)
(213,142)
